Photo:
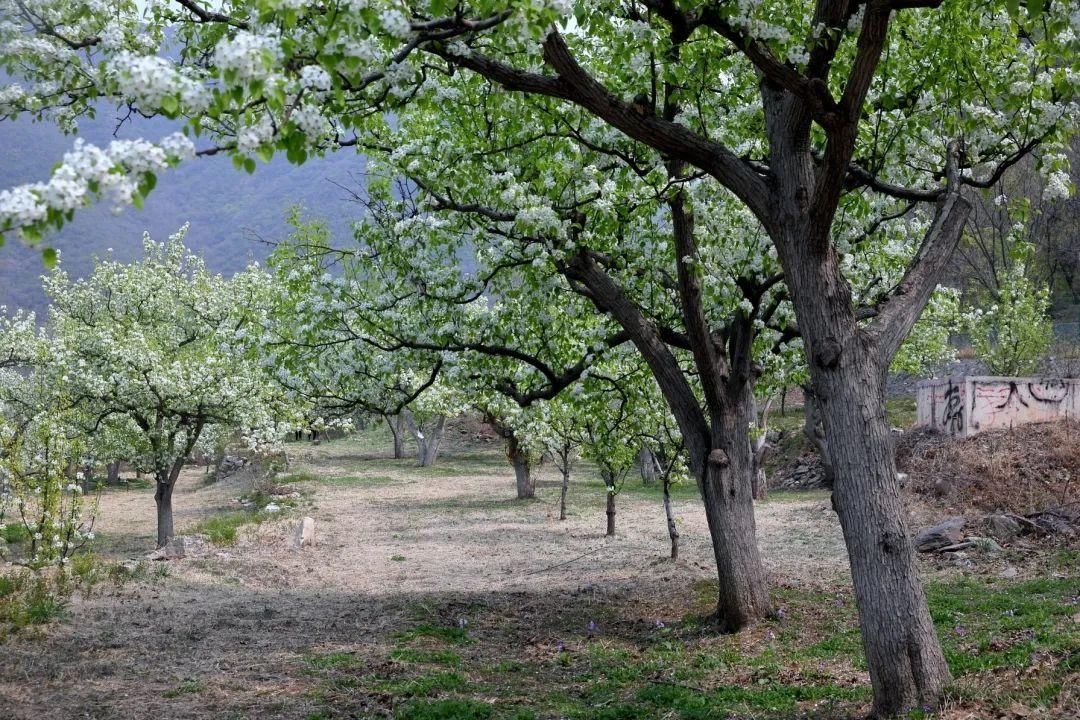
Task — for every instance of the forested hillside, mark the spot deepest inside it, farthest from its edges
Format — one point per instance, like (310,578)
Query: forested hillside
(229,211)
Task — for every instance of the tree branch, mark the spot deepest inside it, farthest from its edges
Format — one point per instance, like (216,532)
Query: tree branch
(901,309)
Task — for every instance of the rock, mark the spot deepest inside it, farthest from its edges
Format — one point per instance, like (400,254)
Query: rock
(229,465)
(942,488)
(305,533)
(1009,572)
(944,534)
(1053,525)
(1002,527)
(272,508)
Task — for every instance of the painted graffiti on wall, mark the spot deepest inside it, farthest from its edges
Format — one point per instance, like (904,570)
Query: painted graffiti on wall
(967,405)
(953,417)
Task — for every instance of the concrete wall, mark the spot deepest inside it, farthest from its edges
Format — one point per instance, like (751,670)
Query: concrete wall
(965,406)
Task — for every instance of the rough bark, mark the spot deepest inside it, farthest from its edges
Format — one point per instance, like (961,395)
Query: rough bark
(397,430)
(907,666)
(112,471)
(647,463)
(523,477)
(427,440)
(165,478)
(673,531)
(727,489)
(848,363)
(163,500)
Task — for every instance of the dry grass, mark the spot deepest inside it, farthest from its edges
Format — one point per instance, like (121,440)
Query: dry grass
(1027,469)
(497,610)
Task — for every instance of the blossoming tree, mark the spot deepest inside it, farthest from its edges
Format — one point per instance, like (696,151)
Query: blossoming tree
(808,113)
(154,352)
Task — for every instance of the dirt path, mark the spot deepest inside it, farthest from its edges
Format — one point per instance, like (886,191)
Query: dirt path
(226,635)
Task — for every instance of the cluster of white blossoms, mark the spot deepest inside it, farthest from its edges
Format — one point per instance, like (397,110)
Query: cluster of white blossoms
(310,121)
(149,80)
(114,171)
(1058,186)
(314,77)
(247,55)
(395,23)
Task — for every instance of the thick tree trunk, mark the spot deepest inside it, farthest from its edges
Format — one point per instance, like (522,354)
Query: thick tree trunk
(907,666)
(646,461)
(673,531)
(848,364)
(718,446)
(112,471)
(727,488)
(519,459)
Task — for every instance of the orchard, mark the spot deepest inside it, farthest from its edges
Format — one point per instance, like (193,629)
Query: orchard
(601,241)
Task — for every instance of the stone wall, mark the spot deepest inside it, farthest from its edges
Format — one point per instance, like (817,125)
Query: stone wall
(965,406)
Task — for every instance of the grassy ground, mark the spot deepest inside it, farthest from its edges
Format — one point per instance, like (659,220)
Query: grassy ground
(1012,647)
(432,594)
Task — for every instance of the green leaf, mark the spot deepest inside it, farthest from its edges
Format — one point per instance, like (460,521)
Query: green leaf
(170,105)
(48,256)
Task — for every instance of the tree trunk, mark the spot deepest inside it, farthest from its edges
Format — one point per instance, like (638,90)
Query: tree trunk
(814,430)
(397,430)
(519,458)
(726,486)
(112,471)
(610,511)
(564,489)
(163,498)
(647,463)
(673,532)
(907,666)
(427,444)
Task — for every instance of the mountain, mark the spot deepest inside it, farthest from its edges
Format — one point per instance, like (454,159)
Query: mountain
(233,215)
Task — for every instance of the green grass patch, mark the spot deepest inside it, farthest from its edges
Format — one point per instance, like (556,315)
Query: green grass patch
(448,709)
(422,656)
(901,411)
(28,598)
(334,661)
(425,685)
(986,624)
(188,687)
(222,529)
(14,533)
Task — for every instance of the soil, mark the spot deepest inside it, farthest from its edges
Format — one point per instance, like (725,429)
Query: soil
(237,628)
